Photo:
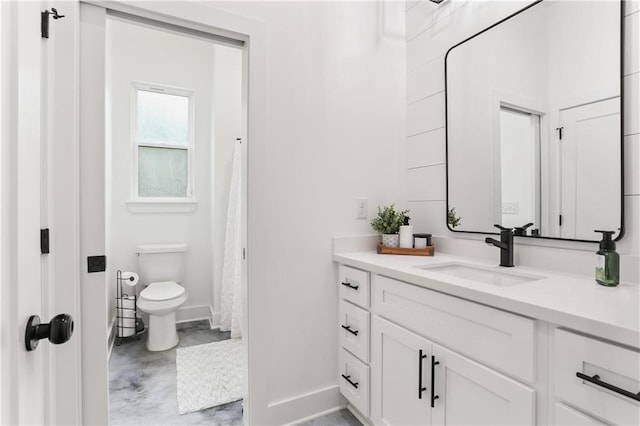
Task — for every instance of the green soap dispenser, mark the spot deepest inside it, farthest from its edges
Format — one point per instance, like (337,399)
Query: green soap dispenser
(607,261)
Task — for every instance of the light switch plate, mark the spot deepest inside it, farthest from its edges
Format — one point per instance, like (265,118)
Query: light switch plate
(362,208)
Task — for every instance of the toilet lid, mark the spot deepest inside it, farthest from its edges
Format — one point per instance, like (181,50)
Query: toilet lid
(165,290)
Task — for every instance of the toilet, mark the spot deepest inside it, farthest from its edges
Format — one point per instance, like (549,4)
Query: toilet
(161,269)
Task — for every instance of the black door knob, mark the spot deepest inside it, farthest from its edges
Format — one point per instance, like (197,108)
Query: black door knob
(59,330)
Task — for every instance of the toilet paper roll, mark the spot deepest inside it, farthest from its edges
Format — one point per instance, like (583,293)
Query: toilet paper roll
(130,278)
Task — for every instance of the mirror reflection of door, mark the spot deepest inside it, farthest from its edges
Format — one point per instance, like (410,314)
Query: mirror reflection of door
(590,184)
(520,168)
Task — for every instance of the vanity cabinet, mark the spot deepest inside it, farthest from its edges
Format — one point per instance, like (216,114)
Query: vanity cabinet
(415,381)
(423,357)
(353,323)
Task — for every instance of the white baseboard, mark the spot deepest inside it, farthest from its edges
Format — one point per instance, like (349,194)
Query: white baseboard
(215,319)
(295,410)
(315,416)
(194,313)
(358,415)
(111,333)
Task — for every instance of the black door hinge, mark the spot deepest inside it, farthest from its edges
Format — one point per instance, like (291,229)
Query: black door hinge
(559,129)
(560,220)
(44,241)
(44,21)
(244,254)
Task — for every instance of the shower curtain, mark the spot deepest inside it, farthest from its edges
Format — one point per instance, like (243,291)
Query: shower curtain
(231,293)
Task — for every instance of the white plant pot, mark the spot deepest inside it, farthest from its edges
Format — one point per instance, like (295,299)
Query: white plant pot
(391,240)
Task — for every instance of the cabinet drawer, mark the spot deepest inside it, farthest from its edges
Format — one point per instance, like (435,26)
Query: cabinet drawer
(496,338)
(354,381)
(567,416)
(612,364)
(354,330)
(354,285)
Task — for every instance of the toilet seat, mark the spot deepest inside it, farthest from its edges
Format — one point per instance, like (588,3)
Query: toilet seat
(162,291)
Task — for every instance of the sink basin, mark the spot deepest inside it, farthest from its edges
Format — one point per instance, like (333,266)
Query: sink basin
(481,274)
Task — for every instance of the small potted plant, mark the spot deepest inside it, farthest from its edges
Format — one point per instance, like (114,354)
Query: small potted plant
(388,223)
(452,218)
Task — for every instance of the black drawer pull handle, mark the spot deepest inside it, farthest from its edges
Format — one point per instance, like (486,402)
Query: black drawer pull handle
(421,388)
(348,379)
(433,379)
(348,328)
(355,287)
(596,381)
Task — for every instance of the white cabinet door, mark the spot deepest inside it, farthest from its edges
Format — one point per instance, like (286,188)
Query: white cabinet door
(567,416)
(400,366)
(472,394)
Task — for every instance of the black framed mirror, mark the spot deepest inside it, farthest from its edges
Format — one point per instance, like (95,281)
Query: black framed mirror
(534,123)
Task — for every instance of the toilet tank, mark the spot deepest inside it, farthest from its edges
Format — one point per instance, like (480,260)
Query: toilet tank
(161,262)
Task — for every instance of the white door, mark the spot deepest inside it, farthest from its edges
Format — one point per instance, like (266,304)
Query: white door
(38,386)
(590,175)
(401,376)
(472,394)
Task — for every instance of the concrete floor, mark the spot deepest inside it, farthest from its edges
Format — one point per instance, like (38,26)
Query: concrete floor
(142,386)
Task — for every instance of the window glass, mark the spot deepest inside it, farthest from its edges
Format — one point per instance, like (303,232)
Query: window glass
(162,172)
(162,118)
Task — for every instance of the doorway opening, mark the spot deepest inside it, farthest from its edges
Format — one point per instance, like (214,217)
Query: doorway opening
(174,223)
(520,167)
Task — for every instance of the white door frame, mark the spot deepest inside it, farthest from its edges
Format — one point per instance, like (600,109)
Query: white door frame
(91,143)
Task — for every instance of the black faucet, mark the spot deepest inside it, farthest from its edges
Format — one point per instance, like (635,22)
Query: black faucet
(521,231)
(505,245)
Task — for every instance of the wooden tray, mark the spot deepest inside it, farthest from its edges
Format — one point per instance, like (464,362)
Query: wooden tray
(427,251)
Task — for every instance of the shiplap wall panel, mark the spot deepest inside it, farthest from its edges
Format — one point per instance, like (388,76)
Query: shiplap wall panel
(632,104)
(426,149)
(426,183)
(425,115)
(632,169)
(428,216)
(632,45)
(426,80)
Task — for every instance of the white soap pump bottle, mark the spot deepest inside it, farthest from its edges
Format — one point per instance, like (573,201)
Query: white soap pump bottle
(406,234)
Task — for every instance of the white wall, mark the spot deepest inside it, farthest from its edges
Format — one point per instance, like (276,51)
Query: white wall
(335,128)
(213,72)
(431,30)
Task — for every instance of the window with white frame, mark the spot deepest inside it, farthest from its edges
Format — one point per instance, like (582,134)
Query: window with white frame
(163,142)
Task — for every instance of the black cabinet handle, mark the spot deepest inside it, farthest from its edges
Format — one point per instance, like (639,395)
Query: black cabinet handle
(348,379)
(421,388)
(433,375)
(348,328)
(355,287)
(595,379)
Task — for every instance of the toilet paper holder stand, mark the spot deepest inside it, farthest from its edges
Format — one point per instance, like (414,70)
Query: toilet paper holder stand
(128,324)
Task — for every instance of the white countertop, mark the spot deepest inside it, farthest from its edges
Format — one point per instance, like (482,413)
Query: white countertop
(571,301)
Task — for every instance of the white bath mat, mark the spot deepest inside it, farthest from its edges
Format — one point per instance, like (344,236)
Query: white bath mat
(209,375)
